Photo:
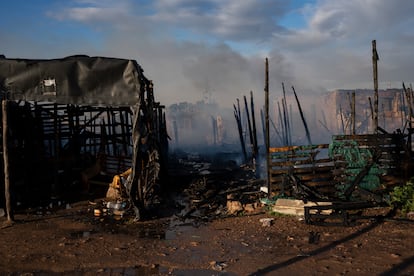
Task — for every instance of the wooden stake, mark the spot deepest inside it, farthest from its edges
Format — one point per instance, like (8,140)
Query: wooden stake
(267,125)
(237,115)
(353,113)
(342,119)
(285,116)
(375,59)
(410,108)
(263,125)
(249,125)
(302,116)
(6,163)
(255,146)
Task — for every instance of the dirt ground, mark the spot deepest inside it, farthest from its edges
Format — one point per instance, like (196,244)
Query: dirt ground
(69,239)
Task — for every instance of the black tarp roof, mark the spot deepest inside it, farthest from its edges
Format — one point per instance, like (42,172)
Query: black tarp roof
(79,80)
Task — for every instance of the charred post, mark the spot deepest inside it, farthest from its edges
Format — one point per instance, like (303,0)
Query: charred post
(375,59)
(255,146)
(249,125)
(267,124)
(302,117)
(285,116)
(240,129)
(353,113)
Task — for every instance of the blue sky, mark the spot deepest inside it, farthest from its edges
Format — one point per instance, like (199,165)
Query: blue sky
(189,46)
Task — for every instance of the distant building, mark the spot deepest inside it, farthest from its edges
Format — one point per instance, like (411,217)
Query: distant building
(200,125)
(392,110)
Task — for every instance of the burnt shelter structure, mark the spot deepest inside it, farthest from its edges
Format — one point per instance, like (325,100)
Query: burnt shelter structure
(78,121)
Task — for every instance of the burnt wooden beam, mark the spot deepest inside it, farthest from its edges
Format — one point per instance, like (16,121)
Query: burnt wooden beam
(302,116)
(240,129)
(249,124)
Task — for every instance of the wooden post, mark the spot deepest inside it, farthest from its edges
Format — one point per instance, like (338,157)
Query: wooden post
(285,116)
(282,125)
(262,119)
(267,125)
(237,115)
(255,146)
(302,116)
(402,107)
(353,114)
(375,59)
(342,119)
(249,125)
(6,162)
(410,116)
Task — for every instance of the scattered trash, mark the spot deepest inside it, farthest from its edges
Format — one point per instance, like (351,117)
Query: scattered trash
(245,244)
(296,207)
(115,205)
(266,222)
(268,201)
(264,189)
(219,266)
(116,212)
(115,208)
(395,255)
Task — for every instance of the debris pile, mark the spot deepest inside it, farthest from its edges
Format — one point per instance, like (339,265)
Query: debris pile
(218,191)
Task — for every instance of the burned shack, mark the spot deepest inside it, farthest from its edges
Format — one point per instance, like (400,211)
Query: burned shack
(352,172)
(333,180)
(76,122)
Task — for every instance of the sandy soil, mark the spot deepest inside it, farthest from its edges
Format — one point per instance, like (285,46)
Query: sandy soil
(70,239)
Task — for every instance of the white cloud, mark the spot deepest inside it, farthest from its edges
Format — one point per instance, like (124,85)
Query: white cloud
(334,49)
(89,11)
(225,19)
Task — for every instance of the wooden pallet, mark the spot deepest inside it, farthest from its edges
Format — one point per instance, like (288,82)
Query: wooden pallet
(306,164)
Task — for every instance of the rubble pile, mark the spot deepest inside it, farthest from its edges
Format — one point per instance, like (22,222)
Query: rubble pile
(215,190)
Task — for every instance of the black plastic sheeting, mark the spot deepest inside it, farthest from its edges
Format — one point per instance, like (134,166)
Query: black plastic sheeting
(79,80)
(97,81)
